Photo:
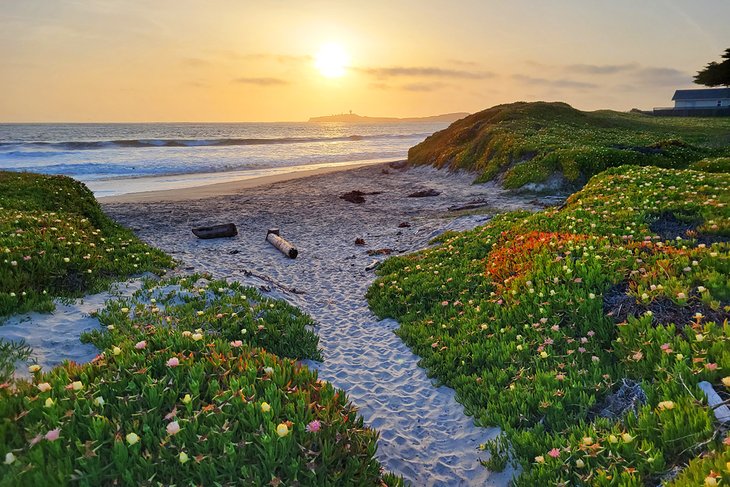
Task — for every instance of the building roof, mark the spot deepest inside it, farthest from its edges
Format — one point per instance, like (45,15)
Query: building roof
(706,94)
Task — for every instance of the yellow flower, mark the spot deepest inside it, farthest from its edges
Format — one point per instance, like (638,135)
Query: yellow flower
(699,337)
(197,336)
(265,408)
(116,350)
(665,405)
(99,401)
(49,402)
(34,368)
(44,387)
(200,313)
(543,354)
(183,457)
(282,430)
(132,438)
(125,310)
(587,441)
(540,459)
(579,463)
(186,399)
(77,385)
(726,381)
(612,439)
(710,480)
(627,438)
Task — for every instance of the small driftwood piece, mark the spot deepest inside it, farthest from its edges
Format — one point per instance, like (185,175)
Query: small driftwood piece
(722,412)
(273,237)
(216,231)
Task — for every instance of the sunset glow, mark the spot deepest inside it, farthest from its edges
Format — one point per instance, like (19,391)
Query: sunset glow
(286,61)
(331,60)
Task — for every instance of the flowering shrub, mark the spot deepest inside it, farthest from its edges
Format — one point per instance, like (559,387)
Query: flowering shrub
(535,320)
(56,241)
(179,395)
(218,413)
(531,142)
(200,308)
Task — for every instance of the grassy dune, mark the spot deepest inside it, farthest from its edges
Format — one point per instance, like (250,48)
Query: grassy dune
(523,143)
(56,242)
(536,319)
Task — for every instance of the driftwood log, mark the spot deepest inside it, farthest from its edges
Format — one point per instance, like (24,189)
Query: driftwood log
(273,237)
(216,231)
(722,412)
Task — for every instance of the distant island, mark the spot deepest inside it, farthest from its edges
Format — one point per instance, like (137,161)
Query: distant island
(352,117)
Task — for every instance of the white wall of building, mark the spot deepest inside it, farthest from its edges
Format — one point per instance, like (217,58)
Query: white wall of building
(712,103)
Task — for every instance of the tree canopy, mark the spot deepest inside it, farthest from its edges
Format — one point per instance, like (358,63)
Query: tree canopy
(715,74)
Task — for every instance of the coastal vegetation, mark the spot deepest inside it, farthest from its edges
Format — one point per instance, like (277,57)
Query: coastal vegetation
(196,381)
(556,145)
(584,331)
(56,242)
(182,392)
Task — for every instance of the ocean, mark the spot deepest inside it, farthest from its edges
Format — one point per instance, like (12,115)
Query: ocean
(114,159)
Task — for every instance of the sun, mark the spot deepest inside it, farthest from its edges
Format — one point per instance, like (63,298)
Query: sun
(331,60)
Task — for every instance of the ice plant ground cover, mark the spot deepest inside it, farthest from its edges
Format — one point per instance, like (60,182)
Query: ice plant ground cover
(56,242)
(182,393)
(522,143)
(537,319)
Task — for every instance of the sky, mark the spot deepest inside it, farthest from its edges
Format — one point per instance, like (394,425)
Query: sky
(243,60)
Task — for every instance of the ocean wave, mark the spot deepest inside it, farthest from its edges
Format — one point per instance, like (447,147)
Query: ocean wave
(12,147)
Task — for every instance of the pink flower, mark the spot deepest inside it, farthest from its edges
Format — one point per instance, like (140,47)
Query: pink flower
(313,426)
(171,414)
(35,440)
(664,346)
(555,453)
(711,366)
(236,343)
(173,428)
(53,434)
(173,362)
(581,350)
(140,345)
(591,333)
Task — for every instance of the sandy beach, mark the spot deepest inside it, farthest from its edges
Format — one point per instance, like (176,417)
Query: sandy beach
(425,435)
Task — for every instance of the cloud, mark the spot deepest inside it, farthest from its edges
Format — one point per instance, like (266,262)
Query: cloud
(266,56)
(423,72)
(462,62)
(195,62)
(261,81)
(663,77)
(601,68)
(423,87)
(414,87)
(561,83)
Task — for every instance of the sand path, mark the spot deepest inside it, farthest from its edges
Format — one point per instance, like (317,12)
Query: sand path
(425,435)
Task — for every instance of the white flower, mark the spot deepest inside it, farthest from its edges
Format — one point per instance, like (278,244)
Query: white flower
(9,458)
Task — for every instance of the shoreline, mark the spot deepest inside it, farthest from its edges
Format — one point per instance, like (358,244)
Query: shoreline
(230,186)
